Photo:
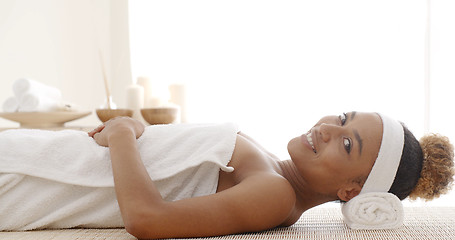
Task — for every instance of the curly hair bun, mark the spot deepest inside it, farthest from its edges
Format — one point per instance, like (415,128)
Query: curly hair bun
(437,171)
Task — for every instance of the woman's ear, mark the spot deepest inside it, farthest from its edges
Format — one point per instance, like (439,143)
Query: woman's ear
(348,192)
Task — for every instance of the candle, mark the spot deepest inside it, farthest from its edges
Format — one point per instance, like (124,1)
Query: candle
(135,100)
(178,96)
(146,84)
(156,102)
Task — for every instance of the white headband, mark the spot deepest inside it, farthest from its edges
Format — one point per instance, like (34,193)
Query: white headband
(385,168)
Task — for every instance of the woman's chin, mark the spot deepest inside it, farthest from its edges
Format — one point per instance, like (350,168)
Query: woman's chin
(296,150)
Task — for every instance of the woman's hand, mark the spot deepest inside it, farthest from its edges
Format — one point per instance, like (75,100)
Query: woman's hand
(102,133)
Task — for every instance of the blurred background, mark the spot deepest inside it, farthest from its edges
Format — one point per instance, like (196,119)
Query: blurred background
(274,67)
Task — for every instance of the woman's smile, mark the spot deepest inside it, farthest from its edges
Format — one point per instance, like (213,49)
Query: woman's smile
(307,140)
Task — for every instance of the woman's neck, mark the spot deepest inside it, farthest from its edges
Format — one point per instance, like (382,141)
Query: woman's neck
(306,197)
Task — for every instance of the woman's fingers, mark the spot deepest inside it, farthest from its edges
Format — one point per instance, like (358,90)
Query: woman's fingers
(100,139)
(117,122)
(96,130)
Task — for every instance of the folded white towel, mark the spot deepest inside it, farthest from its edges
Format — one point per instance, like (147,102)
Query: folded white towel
(184,161)
(35,102)
(375,210)
(25,85)
(11,104)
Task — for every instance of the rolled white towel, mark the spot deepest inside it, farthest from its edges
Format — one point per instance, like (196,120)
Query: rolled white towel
(375,210)
(11,104)
(25,85)
(33,102)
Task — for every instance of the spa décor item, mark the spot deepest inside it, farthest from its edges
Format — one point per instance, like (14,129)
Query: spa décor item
(160,115)
(178,95)
(37,105)
(156,93)
(109,109)
(44,119)
(36,102)
(26,85)
(32,96)
(147,85)
(106,114)
(11,104)
(135,100)
(106,84)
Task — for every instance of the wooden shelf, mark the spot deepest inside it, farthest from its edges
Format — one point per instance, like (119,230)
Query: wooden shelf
(80,128)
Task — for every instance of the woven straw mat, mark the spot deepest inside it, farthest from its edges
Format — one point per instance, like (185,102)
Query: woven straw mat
(317,224)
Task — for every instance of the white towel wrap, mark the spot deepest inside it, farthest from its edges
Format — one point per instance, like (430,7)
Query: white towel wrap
(374,207)
(184,160)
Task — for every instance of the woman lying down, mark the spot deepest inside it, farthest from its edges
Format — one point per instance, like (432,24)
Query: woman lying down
(194,180)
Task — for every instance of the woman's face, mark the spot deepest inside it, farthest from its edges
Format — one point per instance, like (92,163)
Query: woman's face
(337,152)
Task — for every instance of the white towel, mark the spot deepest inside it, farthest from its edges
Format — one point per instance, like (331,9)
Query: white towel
(375,210)
(11,104)
(184,161)
(78,206)
(34,96)
(37,102)
(25,85)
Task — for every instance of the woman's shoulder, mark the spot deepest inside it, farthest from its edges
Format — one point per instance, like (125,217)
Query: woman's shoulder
(257,173)
(249,158)
(272,196)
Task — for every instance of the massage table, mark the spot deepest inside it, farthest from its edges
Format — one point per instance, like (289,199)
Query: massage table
(318,223)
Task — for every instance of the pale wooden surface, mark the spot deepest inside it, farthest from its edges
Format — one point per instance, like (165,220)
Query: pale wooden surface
(80,128)
(44,119)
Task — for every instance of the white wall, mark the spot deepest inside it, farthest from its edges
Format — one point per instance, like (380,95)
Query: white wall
(57,42)
(276,67)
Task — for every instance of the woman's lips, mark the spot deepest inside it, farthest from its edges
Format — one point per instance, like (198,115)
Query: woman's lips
(305,141)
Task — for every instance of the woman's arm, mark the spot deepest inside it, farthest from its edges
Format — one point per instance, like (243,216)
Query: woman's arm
(133,185)
(259,202)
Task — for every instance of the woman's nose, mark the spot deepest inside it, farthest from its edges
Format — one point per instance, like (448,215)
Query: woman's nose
(328,131)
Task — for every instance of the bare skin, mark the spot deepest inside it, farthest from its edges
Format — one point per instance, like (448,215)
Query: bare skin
(262,192)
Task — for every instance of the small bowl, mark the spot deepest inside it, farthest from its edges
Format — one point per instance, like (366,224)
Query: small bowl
(106,114)
(160,115)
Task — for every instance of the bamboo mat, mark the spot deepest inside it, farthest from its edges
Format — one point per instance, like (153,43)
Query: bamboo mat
(316,224)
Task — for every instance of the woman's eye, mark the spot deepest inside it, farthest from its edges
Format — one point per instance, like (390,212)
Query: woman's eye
(342,119)
(347,144)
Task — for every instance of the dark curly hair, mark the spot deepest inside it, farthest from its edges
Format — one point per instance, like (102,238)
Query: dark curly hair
(426,167)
